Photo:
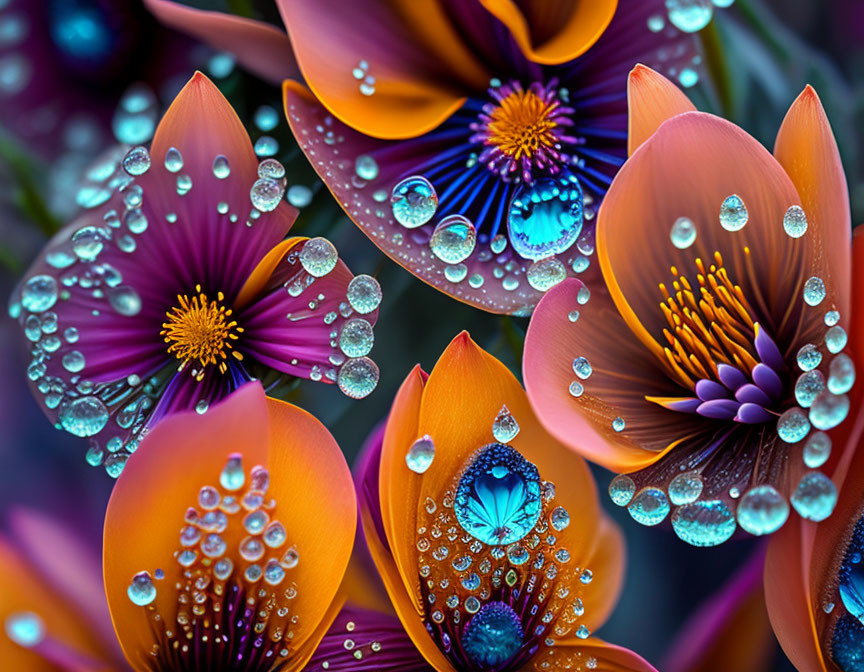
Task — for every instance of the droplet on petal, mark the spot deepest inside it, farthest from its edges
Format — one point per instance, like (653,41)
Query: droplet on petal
(414,201)
(707,523)
(141,591)
(504,428)
(814,291)
(762,510)
(318,257)
(453,239)
(358,377)
(621,490)
(364,294)
(689,16)
(421,454)
(815,496)
(649,507)
(733,213)
(545,217)
(795,222)
(683,233)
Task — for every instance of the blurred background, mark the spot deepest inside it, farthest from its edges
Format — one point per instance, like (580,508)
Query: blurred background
(78,77)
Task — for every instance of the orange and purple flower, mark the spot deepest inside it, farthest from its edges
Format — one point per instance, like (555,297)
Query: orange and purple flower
(490,563)
(471,141)
(709,368)
(179,288)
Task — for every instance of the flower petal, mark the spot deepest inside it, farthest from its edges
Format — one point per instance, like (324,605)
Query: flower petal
(556,31)
(806,148)
(260,47)
(651,100)
(415,60)
(606,657)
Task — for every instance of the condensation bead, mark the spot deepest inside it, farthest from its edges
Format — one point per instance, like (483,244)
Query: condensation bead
(832,317)
(232,477)
(689,16)
(266,194)
(39,293)
(274,535)
(829,410)
(582,367)
(504,428)
(85,416)
(271,169)
(173,160)
(835,339)
(733,212)
(814,291)
(808,357)
(421,454)
(137,161)
(414,201)
(708,523)
(815,496)
(208,498)
(795,222)
(453,239)
(841,374)
(365,167)
(544,274)
(356,337)
(683,233)
(221,167)
(559,518)
(358,377)
(685,488)
(793,425)
(649,507)
(621,489)
(809,385)
(141,590)
(318,257)
(762,510)
(364,294)
(817,450)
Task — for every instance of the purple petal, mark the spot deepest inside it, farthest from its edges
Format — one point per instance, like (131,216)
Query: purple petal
(396,653)
(683,405)
(720,409)
(752,414)
(730,376)
(766,378)
(707,390)
(752,394)
(768,350)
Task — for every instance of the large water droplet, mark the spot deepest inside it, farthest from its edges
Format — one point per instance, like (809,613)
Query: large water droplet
(621,490)
(266,194)
(582,367)
(221,167)
(493,636)
(504,428)
(689,16)
(795,222)
(125,300)
(358,377)
(85,416)
(835,339)
(544,274)
(453,239)
(793,425)
(364,294)
(141,591)
(498,496)
(233,477)
(762,510)
(73,361)
(137,161)
(809,386)
(39,293)
(545,217)
(829,410)
(841,374)
(817,450)
(414,201)
(649,507)
(733,213)
(356,338)
(683,233)
(173,160)
(708,523)
(685,488)
(420,455)
(814,291)
(808,357)
(815,496)
(318,257)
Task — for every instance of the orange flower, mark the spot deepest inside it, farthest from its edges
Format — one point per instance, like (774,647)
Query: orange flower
(226,539)
(716,346)
(487,532)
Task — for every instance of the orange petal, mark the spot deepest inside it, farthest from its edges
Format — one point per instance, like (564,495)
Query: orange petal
(259,277)
(312,494)
(806,148)
(579,654)
(260,47)
(651,100)
(418,63)
(686,169)
(554,31)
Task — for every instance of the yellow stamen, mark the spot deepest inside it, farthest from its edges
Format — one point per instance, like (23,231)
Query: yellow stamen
(708,325)
(521,124)
(201,331)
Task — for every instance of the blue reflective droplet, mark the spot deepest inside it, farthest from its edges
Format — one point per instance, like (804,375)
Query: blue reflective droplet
(493,636)
(545,217)
(498,497)
(707,523)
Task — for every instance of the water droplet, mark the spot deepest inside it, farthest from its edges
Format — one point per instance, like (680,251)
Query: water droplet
(414,201)
(795,222)
(457,273)
(576,388)
(621,490)
(356,338)
(817,450)
(137,161)
(689,16)
(835,339)
(366,167)
(39,293)
(688,77)
(683,233)
(73,361)
(266,146)
(762,510)
(814,291)
(493,636)
(544,274)
(221,168)
(504,428)
(708,523)
(618,424)
(85,416)
(420,455)
(545,218)
(275,535)
(809,386)
(685,488)
(232,477)
(649,507)
(318,257)
(841,374)
(25,628)
(173,160)
(829,410)
(271,169)
(582,368)
(793,425)
(266,118)
(453,239)
(358,377)
(135,117)
(832,317)
(125,300)
(299,196)
(498,496)
(733,212)
(808,357)
(559,518)
(141,591)
(364,294)
(266,194)
(87,243)
(815,496)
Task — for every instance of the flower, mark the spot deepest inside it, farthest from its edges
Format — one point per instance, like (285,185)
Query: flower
(52,603)
(813,570)
(716,346)
(235,556)
(179,288)
(489,563)
(470,141)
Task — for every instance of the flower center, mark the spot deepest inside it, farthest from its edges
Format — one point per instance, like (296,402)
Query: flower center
(201,331)
(716,348)
(524,131)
